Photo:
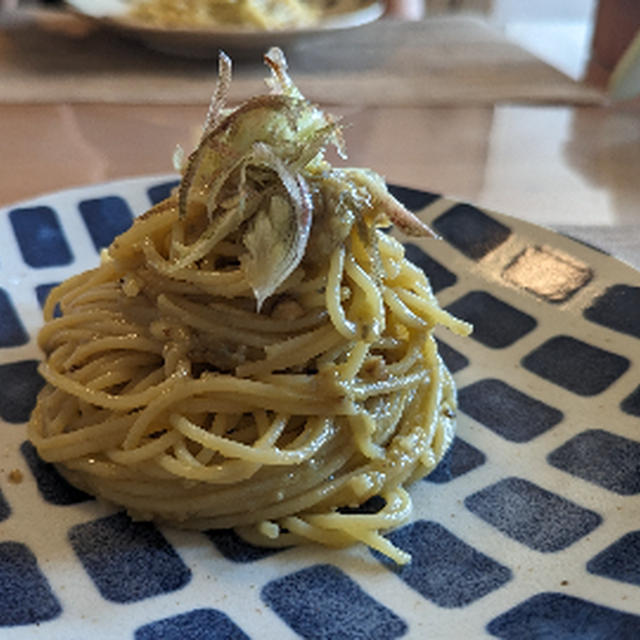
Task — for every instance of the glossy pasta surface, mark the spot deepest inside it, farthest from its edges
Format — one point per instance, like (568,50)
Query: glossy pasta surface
(255,352)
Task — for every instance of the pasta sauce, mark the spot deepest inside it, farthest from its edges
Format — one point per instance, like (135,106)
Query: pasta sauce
(254,352)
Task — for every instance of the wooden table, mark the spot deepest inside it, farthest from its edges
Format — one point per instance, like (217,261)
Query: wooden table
(550,162)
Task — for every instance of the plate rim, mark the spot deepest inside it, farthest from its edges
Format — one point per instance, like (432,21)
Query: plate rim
(371,11)
(168,176)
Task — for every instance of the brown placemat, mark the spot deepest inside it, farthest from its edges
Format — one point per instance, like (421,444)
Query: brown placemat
(56,57)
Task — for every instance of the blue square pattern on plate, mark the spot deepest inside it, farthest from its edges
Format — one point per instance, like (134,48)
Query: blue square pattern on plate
(603,458)
(234,548)
(537,518)
(40,237)
(631,404)
(322,602)
(507,411)
(199,624)
(620,561)
(618,308)
(471,231)
(443,568)
(159,192)
(372,505)
(25,594)
(105,218)
(454,360)
(20,383)
(576,365)
(51,485)
(5,509)
(128,561)
(12,331)
(413,199)
(43,291)
(439,276)
(460,458)
(496,324)
(556,616)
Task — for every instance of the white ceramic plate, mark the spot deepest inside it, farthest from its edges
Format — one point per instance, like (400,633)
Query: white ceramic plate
(206,42)
(528,529)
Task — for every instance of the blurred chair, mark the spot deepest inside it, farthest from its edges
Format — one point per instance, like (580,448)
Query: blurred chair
(407,9)
(617,23)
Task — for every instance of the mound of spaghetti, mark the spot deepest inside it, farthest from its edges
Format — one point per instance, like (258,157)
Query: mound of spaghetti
(257,14)
(255,352)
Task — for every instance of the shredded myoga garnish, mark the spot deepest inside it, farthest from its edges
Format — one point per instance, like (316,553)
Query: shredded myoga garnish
(255,352)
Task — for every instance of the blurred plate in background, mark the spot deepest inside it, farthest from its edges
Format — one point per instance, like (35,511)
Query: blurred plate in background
(205,42)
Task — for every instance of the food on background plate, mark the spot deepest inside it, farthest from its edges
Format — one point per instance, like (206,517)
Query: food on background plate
(255,351)
(258,14)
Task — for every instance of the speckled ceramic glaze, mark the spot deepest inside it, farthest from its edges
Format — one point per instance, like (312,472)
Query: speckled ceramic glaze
(529,528)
